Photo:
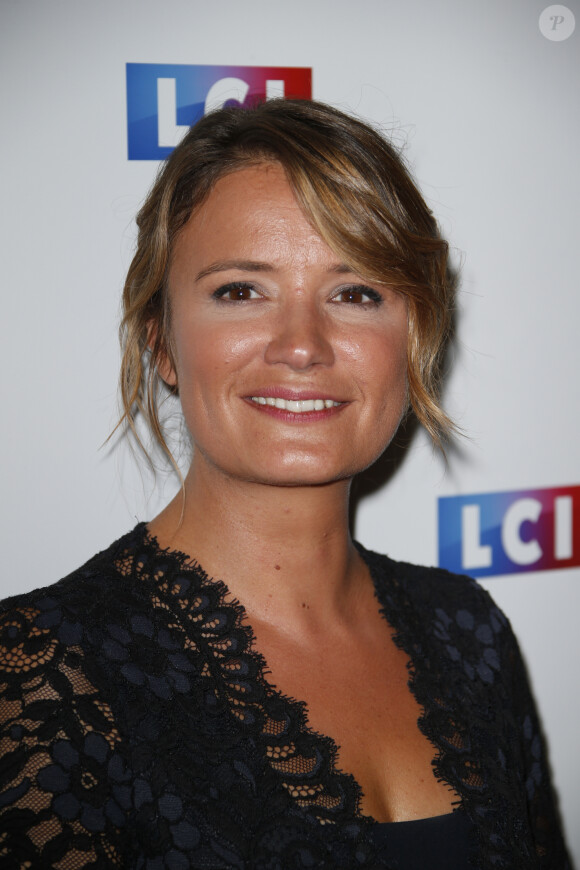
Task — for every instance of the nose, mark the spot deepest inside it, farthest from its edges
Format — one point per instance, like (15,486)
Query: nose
(300,337)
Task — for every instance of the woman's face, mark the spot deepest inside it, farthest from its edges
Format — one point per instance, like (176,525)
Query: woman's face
(291,369)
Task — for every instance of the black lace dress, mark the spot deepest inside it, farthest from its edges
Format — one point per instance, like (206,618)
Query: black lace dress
(138,730)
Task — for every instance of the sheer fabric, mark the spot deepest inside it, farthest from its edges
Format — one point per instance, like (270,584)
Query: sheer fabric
(138,729)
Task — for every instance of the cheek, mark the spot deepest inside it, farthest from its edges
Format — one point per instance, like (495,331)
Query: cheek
(381,361)
(207,354)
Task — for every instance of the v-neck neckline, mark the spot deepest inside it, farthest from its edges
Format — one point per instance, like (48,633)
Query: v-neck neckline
(295,709)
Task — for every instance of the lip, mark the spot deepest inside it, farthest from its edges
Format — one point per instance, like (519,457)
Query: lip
(293,394)
(297,419)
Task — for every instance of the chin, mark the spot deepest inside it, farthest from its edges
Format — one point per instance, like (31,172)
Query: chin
(302,473)
(291,467)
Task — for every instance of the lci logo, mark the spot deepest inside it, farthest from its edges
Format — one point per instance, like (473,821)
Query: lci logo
(164,100)
(507,532)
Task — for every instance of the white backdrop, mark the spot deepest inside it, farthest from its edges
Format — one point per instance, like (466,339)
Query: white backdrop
(488,108)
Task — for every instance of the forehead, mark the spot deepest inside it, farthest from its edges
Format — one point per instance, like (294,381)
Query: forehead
(251,213)
(260,180)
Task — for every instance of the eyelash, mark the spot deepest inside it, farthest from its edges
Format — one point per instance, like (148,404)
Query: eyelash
(374,298)
(221,292)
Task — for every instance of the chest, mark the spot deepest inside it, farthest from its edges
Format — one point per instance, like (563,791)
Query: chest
(202,761)
(357,692)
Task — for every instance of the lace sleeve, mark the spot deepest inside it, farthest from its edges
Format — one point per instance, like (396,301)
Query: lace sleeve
(541,801)
(63,789)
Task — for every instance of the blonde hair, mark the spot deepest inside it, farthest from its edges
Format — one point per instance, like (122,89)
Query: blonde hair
(354,188)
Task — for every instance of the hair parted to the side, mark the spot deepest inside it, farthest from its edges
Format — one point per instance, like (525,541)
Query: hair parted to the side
(356,191)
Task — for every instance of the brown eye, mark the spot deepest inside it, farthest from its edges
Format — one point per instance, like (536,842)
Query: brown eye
(358,295)
(237,291)
(352,295)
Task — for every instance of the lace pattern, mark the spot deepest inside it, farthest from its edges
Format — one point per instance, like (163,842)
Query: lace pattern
(139,730)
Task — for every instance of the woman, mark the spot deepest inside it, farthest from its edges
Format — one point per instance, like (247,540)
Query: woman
(290,286)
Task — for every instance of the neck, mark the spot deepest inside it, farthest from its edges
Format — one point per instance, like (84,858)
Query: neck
(283,551)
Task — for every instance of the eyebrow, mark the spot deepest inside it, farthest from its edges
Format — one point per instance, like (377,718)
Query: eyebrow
(257,266)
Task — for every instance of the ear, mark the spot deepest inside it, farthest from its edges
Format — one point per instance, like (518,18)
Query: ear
(160,356)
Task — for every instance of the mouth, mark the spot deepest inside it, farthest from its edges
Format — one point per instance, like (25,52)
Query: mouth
(296,406)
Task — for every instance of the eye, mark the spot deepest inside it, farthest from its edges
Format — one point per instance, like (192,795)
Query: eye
(357,294)
(236,291)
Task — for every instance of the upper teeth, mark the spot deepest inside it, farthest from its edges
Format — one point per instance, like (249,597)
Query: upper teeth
(299,407)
